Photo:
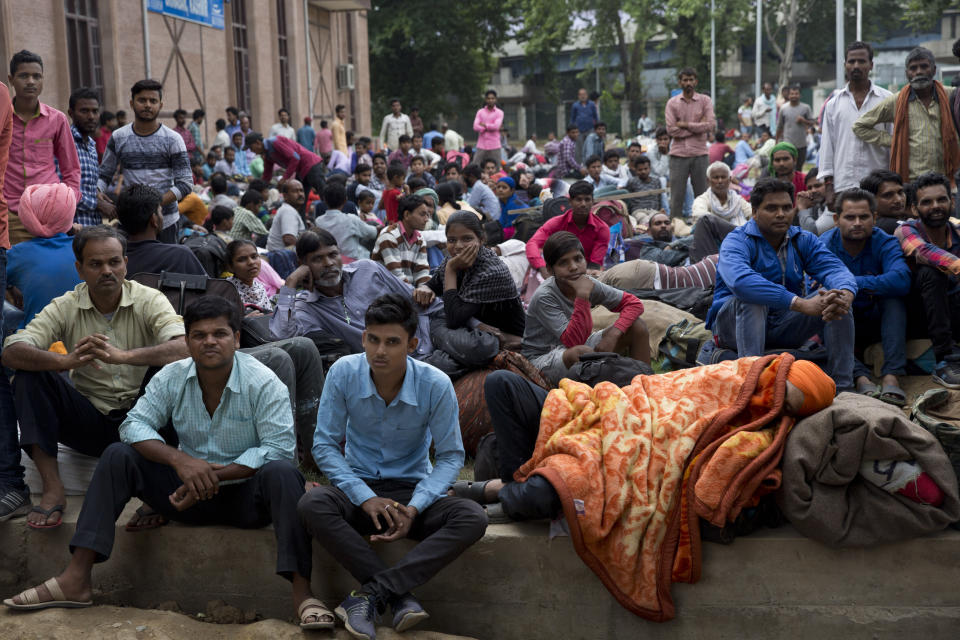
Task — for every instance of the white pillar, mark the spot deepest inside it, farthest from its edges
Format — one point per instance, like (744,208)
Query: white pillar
(522,122)
(759,50)
(561,121)
(627,128)
(840,57)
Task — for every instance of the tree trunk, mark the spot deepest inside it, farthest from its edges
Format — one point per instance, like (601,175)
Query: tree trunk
(789,13)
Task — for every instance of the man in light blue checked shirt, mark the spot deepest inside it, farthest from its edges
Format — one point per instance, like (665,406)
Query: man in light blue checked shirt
(389,408)
(234,464)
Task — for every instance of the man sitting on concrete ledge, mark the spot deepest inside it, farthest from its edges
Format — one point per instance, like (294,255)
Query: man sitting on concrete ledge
(760,301)
(388,408)
(113,330)
(234,465)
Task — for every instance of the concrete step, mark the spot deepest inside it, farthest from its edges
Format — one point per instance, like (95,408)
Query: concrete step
(516,583)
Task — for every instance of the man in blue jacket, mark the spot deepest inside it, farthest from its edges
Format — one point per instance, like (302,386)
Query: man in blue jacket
(760,299)
(875,259)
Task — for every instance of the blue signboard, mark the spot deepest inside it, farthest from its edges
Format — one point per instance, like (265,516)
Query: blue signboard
(206,12)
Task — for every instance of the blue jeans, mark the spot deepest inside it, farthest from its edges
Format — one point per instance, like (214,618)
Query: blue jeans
(886,320)
(754,328)
(11,472)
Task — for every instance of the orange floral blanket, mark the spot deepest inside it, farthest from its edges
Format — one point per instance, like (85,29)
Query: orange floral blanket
(635,467)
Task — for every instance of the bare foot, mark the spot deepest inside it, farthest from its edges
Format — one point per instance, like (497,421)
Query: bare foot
(51,497)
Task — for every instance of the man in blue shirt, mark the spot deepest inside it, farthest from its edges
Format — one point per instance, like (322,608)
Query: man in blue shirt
(743,151)
(584,114)
(875,259)
(388,408)
(234,463)
(760,300)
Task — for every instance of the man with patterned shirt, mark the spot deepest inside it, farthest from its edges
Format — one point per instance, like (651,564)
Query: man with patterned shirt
(84,111)
(150,153)
(233,466)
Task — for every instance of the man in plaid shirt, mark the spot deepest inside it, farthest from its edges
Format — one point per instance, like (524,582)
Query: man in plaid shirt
(84,112)
(566,160)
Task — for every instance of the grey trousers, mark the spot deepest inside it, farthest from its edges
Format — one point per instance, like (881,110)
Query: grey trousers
(708,235)
(482,155)
(297,363)
(694,168)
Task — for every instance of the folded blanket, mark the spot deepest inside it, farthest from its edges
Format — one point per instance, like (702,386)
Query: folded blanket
(826,498)
(620,460)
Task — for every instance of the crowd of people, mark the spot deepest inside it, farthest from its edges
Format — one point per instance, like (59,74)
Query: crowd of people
(384,274)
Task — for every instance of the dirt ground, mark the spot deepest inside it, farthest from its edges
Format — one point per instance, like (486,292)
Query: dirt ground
(116,623)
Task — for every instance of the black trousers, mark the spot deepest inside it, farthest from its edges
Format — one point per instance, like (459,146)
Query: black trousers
(314,180)
(269,496)
(445,529)
(515,404)
(940,299)
(708,234)
(51,410)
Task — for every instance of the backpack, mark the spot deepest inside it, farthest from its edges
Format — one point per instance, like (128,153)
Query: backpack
(612,212)
(601,366)
(210,250)
(682,344)
(526,224)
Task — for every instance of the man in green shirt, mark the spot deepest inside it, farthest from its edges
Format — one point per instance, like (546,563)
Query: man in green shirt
(113,330)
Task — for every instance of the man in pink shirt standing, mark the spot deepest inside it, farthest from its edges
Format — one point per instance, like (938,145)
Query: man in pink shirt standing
(690,122)
(41,140)
(487,125)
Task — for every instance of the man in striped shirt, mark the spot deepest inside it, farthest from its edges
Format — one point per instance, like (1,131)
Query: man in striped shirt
(150,153)
(400,247)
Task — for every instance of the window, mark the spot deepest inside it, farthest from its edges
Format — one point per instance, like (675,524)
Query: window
(283,55)
(83,45)
(241,53)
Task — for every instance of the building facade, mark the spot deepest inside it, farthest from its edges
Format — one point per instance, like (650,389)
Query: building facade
(303,55)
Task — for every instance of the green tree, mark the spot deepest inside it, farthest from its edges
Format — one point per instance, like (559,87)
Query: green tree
(436,57)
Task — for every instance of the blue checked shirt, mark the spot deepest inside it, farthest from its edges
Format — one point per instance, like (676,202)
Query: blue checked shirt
(388,442)
(87,214)
(252,425)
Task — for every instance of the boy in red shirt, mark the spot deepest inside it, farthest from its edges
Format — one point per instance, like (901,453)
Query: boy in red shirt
(391,196)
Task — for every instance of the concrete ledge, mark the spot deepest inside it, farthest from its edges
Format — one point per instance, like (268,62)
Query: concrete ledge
(515,583)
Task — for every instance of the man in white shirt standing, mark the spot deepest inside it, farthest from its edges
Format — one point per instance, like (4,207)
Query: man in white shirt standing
(765,109)
(845,159)
(395,124)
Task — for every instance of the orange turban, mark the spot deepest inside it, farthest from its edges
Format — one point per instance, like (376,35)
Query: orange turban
(193,208)
(818,388)
(47,209)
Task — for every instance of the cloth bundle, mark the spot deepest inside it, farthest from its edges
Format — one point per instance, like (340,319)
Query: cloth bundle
(826,496)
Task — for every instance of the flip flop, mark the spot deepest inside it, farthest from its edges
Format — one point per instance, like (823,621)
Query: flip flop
(31,599)
(496,514)
(470,489)
(892,394)
(870,390)
(46,513)
(143,513)
(315,608)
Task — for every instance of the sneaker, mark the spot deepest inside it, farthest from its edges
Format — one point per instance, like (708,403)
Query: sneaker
(947,374)
(359,614)
(14,503)
(407,612)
